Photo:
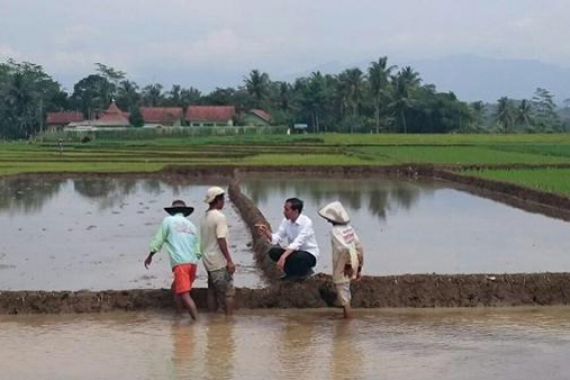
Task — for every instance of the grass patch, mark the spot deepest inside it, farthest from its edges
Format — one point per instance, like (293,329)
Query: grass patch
(454,155)
(549,180)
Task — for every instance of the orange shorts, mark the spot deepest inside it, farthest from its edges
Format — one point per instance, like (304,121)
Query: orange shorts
(184,276)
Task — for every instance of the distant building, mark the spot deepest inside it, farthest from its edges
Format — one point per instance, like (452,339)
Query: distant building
(256,117)
(112,119)
(210,116)
(57,121)
(300,128)
(162,116)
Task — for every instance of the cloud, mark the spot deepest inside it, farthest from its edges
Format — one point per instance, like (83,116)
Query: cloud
(146,37)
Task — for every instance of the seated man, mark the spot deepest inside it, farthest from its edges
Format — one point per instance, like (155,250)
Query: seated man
(297,236)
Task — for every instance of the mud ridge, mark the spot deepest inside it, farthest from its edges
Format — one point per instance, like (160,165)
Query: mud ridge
(252,216)
(419,291)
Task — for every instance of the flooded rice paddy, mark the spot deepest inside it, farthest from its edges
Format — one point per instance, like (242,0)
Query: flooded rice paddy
(300,344)
(422,226)
(94,233)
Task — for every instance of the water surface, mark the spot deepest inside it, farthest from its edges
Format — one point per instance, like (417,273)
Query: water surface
(422,226)
(94,233)
(299,344)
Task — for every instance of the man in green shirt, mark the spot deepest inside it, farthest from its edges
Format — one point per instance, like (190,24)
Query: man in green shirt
(182,243)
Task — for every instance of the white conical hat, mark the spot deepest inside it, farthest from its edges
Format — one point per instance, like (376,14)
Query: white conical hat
(335,213)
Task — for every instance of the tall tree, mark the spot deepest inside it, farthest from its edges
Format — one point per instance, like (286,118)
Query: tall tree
(379,79)
(546,116)
(89,95)
(128,97)
(152,95)
(404,83)
(257,85)
(114,77)
(351,92)
(505,115)
(524,114)
(26,94)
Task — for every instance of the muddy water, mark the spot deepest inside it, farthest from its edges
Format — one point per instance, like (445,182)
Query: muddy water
(390,344)
(423,227)
(94,233)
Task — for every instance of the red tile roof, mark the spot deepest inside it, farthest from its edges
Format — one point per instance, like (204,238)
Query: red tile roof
(210,113)
(157,115)
(113,117)
(61,118)
(261,114)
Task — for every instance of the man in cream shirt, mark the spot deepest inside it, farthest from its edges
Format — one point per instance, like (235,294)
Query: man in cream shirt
(295,247)
(215,252)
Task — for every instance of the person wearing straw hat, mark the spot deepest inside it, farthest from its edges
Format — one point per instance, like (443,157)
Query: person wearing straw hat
(347,252)
(216,255)
(180,237)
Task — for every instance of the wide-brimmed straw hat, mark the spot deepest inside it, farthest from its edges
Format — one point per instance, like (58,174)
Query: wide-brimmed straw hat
(179,207)
(335,213)
(212,193)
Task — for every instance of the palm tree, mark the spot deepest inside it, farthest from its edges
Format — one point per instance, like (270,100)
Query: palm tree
(524,113)
(257,85)
(404,83)
(378,77)
(478,111)
(505,114)
(152,95)
(351,90)
(127,95)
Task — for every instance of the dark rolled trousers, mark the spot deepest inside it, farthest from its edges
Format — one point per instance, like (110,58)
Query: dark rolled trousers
(298,263)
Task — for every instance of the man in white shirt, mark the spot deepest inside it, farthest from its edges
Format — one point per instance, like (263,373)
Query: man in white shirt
(295,247)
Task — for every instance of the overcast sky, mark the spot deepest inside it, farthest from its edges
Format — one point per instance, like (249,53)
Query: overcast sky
(212,43)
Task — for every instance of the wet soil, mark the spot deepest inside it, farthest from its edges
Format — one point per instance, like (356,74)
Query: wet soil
(419,291)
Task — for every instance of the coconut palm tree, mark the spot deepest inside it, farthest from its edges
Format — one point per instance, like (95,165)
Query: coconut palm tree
(524,113)
(257,85)
(351,91)
(505,115)
(404,82)
(379,80)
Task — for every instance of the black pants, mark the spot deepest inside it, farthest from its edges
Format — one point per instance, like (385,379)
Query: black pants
(298,263)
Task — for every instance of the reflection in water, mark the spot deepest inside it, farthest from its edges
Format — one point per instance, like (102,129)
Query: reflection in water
(109,192)
(471,344)
(184,341)
(220,347)
(346,356)
(26,194)
(381,194)
(296,356)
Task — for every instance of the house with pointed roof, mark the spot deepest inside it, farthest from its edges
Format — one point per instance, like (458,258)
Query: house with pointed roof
(256,117)
(113,118)
(162,116)
(210,116)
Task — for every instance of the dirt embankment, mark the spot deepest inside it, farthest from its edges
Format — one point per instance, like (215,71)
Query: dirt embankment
(252,216)
(371,292)
(553,205)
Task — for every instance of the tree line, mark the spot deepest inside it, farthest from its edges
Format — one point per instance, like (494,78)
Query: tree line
(383,98)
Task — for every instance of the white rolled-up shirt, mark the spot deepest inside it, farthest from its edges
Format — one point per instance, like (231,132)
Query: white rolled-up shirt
(298,235)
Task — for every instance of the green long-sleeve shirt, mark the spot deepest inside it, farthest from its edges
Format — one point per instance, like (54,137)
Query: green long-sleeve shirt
(181,239)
